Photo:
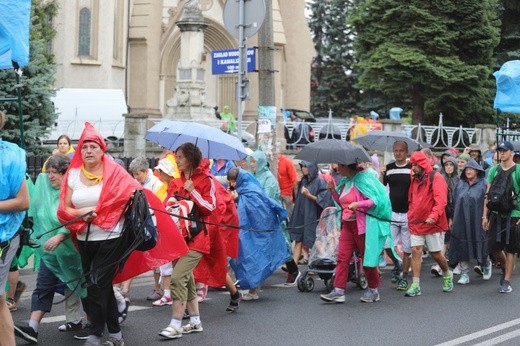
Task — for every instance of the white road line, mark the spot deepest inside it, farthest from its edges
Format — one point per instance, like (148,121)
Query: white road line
(61,318)
(499,339)
(481,333)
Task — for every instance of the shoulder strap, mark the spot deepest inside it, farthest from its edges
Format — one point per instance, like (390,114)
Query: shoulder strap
(432,176)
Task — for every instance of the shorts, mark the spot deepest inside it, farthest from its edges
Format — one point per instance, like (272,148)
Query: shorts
(400,232)
(5,264)
(434,242)
(513,246)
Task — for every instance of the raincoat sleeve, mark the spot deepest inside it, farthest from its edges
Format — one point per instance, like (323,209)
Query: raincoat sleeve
(323,196)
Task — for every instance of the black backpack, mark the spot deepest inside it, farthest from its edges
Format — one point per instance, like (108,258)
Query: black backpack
(502,196)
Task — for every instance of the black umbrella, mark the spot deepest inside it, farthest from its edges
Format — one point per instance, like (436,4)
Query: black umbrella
(333,151)
(384,141)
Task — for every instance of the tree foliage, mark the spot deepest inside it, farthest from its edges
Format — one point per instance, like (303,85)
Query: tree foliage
(509,47)
(437,55)
(332,85)
(36,83)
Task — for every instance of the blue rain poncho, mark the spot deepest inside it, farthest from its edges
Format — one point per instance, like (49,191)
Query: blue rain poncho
(12,174)
(262,249)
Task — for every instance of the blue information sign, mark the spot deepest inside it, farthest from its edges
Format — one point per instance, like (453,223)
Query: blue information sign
(226,61)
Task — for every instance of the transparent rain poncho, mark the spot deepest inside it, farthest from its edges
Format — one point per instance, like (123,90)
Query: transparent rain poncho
(327,237)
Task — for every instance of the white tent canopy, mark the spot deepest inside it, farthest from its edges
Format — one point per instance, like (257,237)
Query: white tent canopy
(103,108)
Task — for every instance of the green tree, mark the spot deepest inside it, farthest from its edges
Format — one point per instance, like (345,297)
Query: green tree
(36,83)
(509,47)
(332,84)
(436,55)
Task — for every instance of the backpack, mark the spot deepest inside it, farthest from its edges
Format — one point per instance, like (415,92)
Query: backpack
(502,196)
(138,223)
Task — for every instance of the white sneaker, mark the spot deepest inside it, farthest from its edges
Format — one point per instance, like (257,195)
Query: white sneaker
(436,270)
(457,270)
(487,270)
(464,279)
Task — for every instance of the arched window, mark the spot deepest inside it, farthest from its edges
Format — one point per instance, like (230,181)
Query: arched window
(84,32)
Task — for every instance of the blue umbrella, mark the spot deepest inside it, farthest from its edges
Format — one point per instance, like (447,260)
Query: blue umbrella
(212,142)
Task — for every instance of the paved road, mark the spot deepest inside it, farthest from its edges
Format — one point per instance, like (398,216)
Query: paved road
(475,314)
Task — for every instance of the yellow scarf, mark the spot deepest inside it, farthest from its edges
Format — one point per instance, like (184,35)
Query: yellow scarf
(97,178)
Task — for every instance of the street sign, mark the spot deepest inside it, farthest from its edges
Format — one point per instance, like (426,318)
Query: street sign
(253,16)
(226,61)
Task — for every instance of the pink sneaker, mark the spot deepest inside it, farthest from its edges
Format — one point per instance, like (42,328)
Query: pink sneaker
(202,291)
(163,301)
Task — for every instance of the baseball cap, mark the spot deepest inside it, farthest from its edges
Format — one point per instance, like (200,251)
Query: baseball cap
(166,166)
(505,145)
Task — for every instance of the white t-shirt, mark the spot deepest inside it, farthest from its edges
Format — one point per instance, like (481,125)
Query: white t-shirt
(84,196)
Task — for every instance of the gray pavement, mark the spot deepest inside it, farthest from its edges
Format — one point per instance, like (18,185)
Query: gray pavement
(470,315)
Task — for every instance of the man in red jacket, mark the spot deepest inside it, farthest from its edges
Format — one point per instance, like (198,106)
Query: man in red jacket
(427,199)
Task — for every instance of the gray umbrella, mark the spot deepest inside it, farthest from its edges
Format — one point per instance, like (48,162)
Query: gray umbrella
(333,151)
(384,141)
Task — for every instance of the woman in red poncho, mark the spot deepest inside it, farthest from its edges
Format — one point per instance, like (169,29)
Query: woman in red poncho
(95,183)
(197,186)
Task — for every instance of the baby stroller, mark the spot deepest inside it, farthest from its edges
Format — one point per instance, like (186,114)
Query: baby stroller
(322,258)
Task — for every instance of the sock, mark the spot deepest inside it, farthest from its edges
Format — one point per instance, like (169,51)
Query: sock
(235,296)
(416,280)
(121,305)
(195,319)
(292,267)
(176,323)
(447,273)
(34,325)
(339,290)
(117,336)
(168,293)
(374,290)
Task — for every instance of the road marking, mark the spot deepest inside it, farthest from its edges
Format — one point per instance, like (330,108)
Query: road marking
(481,333)
(500,339)
(61,318)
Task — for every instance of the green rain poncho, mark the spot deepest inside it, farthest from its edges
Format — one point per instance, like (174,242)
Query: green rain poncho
(64,261)
(377,230)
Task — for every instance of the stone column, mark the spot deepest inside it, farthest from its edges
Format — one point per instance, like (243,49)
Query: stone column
(189,101)
(391,125)
(135,129)
(488,134)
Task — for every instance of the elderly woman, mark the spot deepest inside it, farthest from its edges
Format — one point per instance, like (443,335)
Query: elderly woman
(198,186)
(60,258)
(364,204)
(94,193)
(468,237)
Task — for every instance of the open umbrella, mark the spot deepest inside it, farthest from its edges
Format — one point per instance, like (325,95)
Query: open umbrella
(333,151)
(212,142)
(384,141)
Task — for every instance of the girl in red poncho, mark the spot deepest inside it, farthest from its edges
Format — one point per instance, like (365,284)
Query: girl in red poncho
(197,186)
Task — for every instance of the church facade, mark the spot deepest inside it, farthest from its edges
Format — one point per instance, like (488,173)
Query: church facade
(160,56)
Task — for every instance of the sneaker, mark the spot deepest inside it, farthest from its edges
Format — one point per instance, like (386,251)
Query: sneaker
(402,284)
(292,279)
(20,287)
(84,333)
(113,342)
(333,297)
(163,301)
(370,296)
(124,314)
(192,328)
(250,296)
(234,303)
(478,270)
(70,326)
(464,279)
(11,304)
(155,295)
(413,291)
(457,270)
(506,287)
(436,270)
(27,333)
(487,271)
(202,291)
(447,282)
(171,333)
(382,262)
(396,272)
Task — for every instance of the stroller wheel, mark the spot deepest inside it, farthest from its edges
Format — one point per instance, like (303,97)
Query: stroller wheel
(329,285)
(362,282)
(309,284)
(300,284)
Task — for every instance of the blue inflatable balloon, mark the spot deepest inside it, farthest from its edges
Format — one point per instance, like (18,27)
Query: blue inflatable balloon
(14,32)
(508,87)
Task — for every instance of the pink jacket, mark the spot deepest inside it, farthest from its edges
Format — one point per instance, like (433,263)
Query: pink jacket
(364,204)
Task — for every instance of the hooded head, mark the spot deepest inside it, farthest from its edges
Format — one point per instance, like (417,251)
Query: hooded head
(453,161)
(312,168)
(420,159)
(261,162)
(481,173)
